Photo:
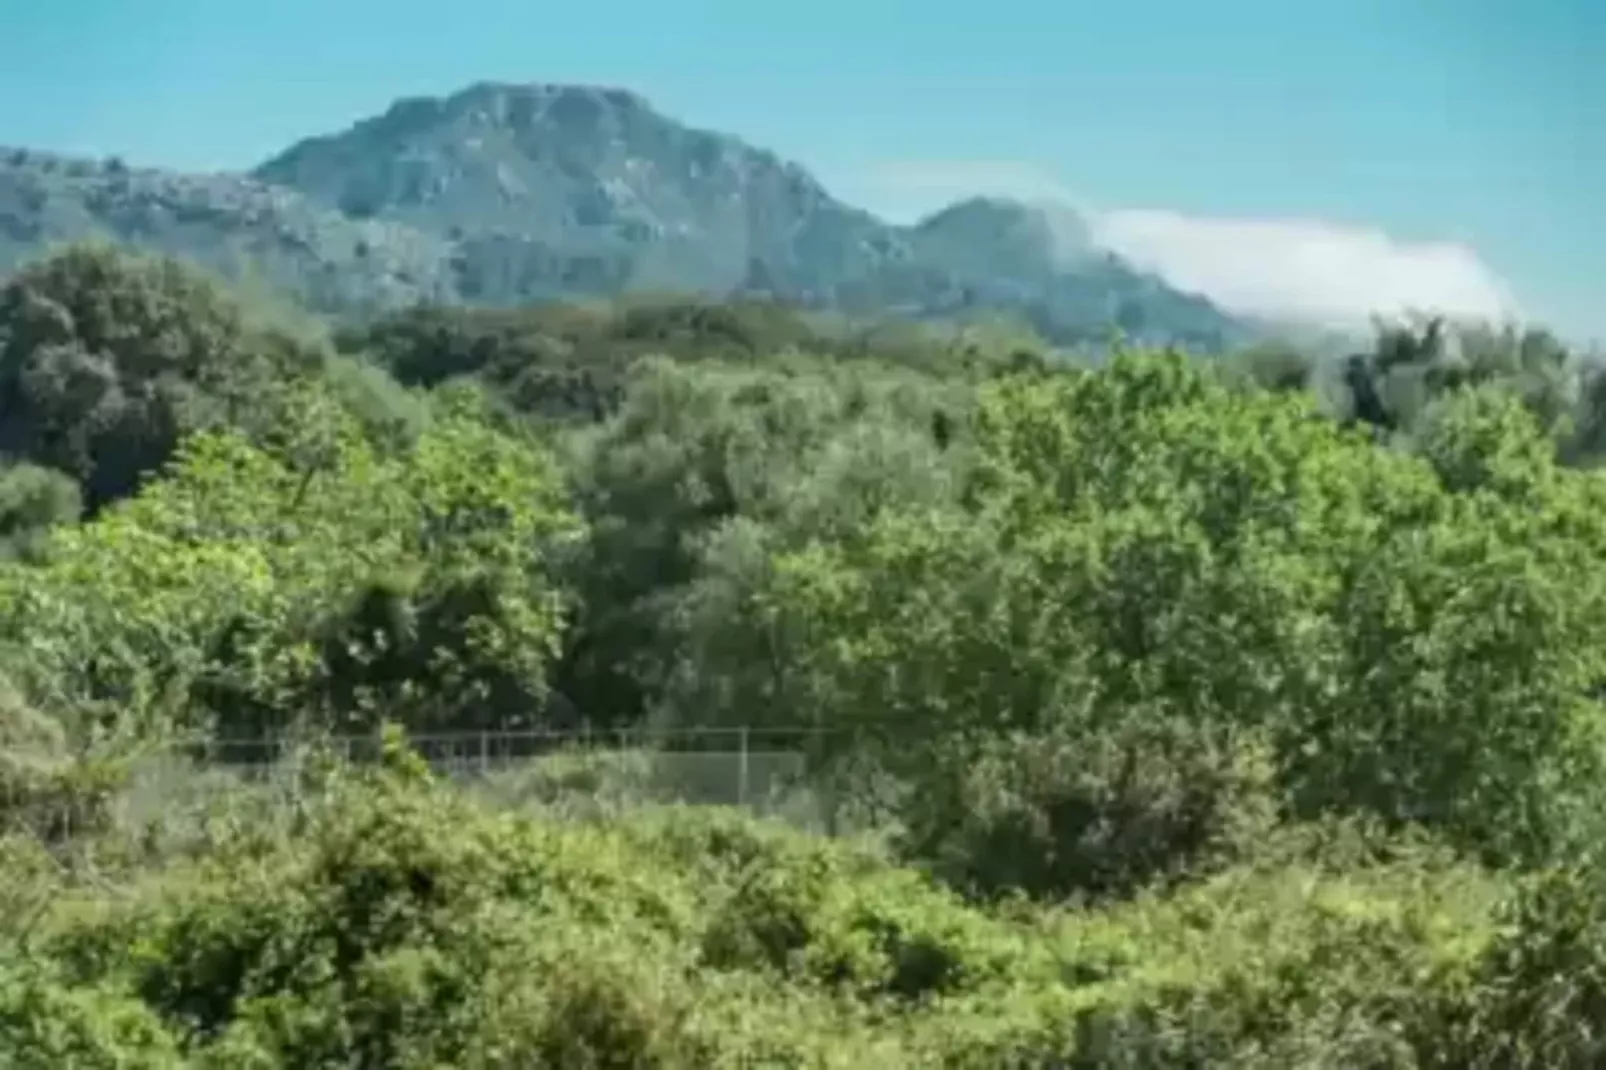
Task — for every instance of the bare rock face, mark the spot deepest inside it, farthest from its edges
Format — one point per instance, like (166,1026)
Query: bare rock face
(506,193)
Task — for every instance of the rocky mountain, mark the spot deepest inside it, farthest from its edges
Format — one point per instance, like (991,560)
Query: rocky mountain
(506,193)
(1042,264)
(234,224)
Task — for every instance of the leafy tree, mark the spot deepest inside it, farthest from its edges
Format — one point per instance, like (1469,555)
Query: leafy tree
(263,588)
(697,462)
(1143,538)
(1414,363)
(107,359)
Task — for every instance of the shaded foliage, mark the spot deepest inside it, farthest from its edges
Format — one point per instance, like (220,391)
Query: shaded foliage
(33,500)
(107,360)
(568,362)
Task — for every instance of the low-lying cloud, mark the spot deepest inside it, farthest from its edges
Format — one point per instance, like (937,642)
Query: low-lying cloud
(1311,270)
(1306,269)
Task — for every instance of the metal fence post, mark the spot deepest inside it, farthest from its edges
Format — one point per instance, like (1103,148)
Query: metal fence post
(485,752)
(742,770)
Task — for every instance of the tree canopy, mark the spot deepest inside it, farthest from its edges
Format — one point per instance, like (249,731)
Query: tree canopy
(1157,712)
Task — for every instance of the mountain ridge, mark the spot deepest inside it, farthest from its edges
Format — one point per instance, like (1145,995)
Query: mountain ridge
(505,193)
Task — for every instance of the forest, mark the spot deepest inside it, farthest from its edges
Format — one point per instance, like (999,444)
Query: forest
(1175,712)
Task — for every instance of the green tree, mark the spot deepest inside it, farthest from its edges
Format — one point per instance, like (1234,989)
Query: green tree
(1415,362)
(107,359)
(698,462)
(255,589)
(1418,641)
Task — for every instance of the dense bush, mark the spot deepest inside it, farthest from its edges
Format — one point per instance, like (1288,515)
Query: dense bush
(1150,800)
(395,925)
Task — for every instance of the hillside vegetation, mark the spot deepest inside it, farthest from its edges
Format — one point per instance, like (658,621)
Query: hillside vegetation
(1176,712)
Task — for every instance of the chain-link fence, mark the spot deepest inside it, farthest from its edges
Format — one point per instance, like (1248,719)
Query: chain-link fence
(766,770)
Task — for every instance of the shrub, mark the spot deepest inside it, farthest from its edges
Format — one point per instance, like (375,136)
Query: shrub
(1098,813)
(396,924)
(46,1024)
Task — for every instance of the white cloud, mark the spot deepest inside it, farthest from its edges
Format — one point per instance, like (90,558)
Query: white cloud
(1306,269)
(1327,273)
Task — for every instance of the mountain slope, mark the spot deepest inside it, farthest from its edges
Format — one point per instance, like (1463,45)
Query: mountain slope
(553,188)
(1041,263)
(502,193)
(230,223)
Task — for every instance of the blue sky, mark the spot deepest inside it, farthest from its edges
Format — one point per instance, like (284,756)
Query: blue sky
(1419,147)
